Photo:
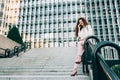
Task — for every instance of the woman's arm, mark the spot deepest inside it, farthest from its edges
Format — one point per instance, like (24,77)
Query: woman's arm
(83,38)
(87,32)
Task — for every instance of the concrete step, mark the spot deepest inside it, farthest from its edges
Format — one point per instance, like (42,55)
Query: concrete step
(42,64)
(38,70)
(41,77)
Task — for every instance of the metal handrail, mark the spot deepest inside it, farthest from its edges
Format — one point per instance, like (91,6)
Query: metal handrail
(99,63)
(15,51)
(2,49)
(91,37)
(89,48)
(6,51)
(110,73)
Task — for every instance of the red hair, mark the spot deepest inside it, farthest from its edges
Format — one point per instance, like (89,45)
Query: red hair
(76,29)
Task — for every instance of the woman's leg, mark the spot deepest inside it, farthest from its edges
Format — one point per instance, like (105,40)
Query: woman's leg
(80,51)
(74,72)
(78,57)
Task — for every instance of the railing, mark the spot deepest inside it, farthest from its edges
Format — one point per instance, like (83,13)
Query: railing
(104,60)
(5,52)
(15,51)
(89,45)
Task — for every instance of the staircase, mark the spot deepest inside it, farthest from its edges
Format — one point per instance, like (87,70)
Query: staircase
(41,64)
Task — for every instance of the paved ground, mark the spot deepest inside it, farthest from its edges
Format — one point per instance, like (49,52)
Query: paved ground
(41,64)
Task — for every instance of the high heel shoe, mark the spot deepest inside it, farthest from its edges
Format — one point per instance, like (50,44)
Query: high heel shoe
(74,73)
(78,62)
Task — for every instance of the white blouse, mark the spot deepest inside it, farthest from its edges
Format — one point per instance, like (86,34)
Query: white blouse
(86,31)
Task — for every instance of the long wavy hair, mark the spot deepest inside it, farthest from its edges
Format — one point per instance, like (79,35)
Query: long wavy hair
(77,27)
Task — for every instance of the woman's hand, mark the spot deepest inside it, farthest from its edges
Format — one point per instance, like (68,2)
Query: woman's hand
(82,38)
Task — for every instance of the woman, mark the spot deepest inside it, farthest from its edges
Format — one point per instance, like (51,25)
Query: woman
(83,30)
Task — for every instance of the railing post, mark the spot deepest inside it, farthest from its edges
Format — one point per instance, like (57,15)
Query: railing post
(24,46)
(16,50)
(7,52)
(95,67)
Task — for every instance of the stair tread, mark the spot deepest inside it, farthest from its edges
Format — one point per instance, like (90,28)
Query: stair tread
(42,65)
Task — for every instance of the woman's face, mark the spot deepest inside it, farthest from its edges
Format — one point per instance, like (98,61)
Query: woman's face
(81,22)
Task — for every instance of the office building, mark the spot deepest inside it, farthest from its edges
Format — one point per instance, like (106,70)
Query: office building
(51,23)
(10,15)
(1,13)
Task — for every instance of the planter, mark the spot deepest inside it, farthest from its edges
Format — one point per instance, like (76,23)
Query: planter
(116,69)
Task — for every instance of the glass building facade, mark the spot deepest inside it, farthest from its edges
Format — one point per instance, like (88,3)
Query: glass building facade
(1,12)
(51,23)
(10,15)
